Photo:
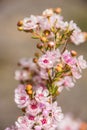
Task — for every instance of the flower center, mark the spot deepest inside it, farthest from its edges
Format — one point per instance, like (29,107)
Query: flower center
(45,61)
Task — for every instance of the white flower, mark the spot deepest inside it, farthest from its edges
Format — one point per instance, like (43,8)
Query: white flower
(33,108)
(30,23)
(81,62)
(49,59)
(66,82)
(42,95)
(21,97)
(68,123)
(48,12)
(22,75)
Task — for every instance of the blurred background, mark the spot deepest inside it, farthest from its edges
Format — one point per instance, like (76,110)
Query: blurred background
(15,45)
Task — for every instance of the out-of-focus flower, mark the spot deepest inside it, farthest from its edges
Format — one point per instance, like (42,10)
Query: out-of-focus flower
(21,97)
(68,123)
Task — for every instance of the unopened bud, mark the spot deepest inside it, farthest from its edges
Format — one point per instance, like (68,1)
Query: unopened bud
(85,35)
(28,87)
(44,39)
(51,44)
(20,28)
(59,68)
(39,45)
(47,32)
(35,60)
(20,23)
(30,92)
(73,53)
(57,10)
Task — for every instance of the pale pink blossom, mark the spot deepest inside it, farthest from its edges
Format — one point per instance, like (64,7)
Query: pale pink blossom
(82,63)
(48,12)
(42,95)
(11,128)
(33,108)
(68,123)
(22,75)
(68,59)
(66,82)
(43,74)
(27,63)
(21,97)
(77,36)
(24,123)
(75,72)
(30,23)
(49,59)
(57,114)
(43,23)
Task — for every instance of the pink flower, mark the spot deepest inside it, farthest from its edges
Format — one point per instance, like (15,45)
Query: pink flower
(77,36)
(33,108)
(42,95)
(75,72)
(43,23)
(49,59)
(43,74)
(57,114)
(11,128)
(21,97)
(23,123)
(68,123)
(66,82)
(68,59)
(81,62)
(27,63)
(30,23)
(48,12)
(22,75)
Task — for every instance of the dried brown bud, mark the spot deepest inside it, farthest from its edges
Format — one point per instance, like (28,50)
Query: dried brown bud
(57,10)
(35,60)
(73,53)
(20,23)
(39,45)
(47,32)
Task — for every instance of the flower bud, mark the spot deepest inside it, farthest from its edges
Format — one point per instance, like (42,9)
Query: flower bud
(39,45)
(28,87)
(59,67)
(85,35)
(30,92)
(73,53)
(20,23)
(20,28)
(35,60)
(51,44)
(44,39)
(47,32)
(57,10)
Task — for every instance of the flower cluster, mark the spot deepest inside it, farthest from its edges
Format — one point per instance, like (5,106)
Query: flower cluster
(52,69)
